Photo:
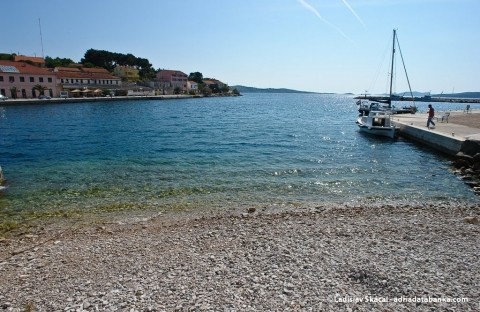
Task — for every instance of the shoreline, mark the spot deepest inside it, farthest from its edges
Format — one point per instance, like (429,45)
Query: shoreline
(295,258)
(15,102)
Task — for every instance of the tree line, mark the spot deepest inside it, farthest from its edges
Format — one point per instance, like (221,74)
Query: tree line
(109,60)
(99,58)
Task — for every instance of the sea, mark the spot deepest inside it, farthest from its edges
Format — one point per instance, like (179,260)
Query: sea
(221,153)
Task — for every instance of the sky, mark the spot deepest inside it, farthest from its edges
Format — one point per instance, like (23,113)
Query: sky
(338,46)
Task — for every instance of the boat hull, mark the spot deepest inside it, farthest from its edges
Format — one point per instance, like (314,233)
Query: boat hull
(377,123)
(388,132)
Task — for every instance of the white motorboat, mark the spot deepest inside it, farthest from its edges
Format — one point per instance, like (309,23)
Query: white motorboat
(377,123)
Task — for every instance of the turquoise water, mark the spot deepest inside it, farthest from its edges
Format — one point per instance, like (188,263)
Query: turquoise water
(258,149)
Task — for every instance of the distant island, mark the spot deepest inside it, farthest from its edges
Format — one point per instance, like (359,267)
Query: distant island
(416,94)
(465,95)
(244,89)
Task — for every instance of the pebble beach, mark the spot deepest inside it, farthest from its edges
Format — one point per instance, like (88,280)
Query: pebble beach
(414,257)
(409,246)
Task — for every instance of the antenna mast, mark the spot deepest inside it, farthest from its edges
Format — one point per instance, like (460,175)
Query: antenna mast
(41,39)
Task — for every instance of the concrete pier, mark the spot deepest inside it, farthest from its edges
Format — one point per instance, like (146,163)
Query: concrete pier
(448,136)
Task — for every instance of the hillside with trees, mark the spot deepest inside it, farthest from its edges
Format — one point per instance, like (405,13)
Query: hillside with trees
(108,60)
(57,62)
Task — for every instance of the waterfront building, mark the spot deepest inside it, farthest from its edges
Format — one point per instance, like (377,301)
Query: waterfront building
(169,80)
(23,80)
(214,84)
(192,86)
(84,81)
(127,73)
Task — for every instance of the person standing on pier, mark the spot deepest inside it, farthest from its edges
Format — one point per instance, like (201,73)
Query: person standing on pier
(431,114)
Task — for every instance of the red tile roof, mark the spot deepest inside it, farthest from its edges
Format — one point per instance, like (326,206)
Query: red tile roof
(25,68)
(168,72)
(73,69)
(33,59)
(95,70)
(84,73)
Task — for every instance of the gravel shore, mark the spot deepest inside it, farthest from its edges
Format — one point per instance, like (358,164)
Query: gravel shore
(391,257)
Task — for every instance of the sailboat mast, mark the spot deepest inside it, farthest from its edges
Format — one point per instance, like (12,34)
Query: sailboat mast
(391,69)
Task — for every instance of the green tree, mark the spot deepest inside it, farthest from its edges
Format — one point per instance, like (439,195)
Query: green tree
(146,71)
(204,89)
(99,58)
(57,62)
(126,59)
(214,87)
(108,60)
(196,76)
(6,56)
(40,88)
(225,88)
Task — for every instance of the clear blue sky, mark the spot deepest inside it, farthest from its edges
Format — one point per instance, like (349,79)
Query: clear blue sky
(315,45)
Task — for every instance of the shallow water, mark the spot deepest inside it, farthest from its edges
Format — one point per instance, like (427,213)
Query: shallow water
(258,149)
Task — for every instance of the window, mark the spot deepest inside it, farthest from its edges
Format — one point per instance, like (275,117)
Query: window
(1,78)
(11,79)
(32,79)
(22,79)
(40,79)
(61,80)
(49,79)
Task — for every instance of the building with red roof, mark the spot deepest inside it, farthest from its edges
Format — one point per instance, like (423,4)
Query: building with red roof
(83,78)
(22,80)
(33,60)
(169,80)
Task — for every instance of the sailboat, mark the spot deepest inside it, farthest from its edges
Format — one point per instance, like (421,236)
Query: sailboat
(367,102)
(376,117)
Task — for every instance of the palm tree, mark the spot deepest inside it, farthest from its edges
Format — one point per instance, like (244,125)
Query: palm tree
(13,91)
(39,88)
